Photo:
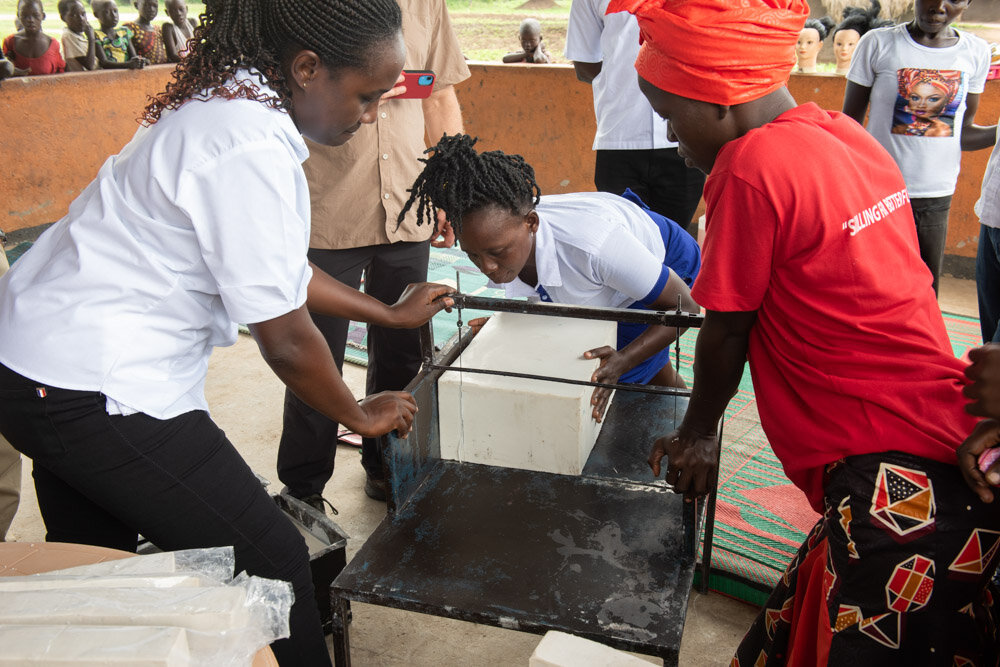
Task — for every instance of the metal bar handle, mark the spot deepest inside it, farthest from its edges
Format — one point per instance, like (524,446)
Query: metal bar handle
(641,388)
(662,317)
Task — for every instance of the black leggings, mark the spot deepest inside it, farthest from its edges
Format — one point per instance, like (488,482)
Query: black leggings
(103,479)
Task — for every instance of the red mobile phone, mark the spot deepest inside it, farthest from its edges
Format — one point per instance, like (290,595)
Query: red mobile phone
(419,84)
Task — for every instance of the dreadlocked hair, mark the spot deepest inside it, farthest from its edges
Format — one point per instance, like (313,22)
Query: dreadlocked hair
(457,179)
(255,34)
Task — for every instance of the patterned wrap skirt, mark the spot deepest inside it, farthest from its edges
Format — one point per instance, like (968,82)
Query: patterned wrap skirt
(896,572)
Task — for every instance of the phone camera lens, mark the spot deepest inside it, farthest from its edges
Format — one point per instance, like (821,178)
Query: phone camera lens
(425,80)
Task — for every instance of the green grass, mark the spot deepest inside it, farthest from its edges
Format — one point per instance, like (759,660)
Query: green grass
(489,36)
(506,7)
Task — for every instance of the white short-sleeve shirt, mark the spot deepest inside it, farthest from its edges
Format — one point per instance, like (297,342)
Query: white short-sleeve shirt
(885,59)
(625,121)
(201,221)
(988,205)
(594,249)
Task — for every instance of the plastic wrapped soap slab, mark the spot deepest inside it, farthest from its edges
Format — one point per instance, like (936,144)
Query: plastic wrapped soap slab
(515,422)
(216,563)
(47,582)
(204,609)
(86,646)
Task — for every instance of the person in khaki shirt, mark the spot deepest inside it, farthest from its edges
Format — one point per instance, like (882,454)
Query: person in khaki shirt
(10,460)
(357,192)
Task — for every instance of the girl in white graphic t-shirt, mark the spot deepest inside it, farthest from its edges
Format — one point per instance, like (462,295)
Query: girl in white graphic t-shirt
(920,82)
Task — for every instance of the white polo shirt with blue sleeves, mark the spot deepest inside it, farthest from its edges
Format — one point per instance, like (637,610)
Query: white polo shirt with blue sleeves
(595,249)
(201,221)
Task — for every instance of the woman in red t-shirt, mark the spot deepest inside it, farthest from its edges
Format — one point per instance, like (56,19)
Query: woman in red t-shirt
(32,51)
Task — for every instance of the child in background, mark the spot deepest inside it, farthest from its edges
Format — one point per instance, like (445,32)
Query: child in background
(147,40)
(922,80)
(77,37)
(180,29)
(532,49)
(114,45)
(30,50)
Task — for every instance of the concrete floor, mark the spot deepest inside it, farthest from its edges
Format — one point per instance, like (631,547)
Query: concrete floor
(246,399)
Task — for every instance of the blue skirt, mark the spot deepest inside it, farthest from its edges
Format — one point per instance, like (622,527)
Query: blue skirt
(683,256)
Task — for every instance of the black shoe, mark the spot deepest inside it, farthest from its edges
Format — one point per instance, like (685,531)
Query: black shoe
(375,488)
(315,500)
(320,503)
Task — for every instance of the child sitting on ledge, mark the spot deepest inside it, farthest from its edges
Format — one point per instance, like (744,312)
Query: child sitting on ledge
(30,50)
(532,49)
(147,40)
(178,31)
(78,44)
(114,45)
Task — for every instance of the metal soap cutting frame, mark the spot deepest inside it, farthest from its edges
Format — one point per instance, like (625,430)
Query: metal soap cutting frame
(675,318)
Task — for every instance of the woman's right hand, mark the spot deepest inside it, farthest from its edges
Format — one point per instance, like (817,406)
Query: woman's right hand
(397,90)
(386,411)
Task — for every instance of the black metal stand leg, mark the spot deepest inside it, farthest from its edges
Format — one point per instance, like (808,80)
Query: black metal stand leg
(341,636)
(706,549)
(670,658)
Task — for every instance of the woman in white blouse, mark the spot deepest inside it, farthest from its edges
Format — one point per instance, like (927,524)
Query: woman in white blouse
(202,220)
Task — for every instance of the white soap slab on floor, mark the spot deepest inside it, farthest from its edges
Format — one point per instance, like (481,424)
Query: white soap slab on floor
(515,422)
(559,649)
(93,646)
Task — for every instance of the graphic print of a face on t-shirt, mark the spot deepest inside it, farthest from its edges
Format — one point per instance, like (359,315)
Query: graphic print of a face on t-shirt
(926,101)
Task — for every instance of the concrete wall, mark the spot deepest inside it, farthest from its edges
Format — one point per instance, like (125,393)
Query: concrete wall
(59,129)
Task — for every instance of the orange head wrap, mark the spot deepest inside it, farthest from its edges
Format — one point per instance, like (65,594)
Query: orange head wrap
(947,81)
(717,51)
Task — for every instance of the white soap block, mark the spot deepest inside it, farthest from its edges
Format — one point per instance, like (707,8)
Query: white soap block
(202,609)
(93,646)
(518,423)
(558,649)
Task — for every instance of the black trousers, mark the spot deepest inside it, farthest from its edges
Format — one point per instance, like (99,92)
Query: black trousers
(930,214)
(309,439)
(104,479)
(659,176)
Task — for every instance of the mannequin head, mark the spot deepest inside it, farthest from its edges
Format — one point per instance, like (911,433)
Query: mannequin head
(856,22)
(844,42)
(811,42)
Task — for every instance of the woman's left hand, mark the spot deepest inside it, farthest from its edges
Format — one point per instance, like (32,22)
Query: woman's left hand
(418,303)
(613,366)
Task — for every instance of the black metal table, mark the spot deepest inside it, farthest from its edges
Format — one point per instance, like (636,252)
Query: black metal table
(608,555)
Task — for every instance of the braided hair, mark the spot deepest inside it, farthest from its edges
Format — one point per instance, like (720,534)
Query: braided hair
(457,179)
(256,34)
